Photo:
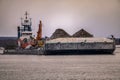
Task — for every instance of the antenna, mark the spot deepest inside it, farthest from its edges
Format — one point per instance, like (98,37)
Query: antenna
(26,14)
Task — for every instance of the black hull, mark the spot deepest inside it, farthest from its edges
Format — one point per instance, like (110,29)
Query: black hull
(77,52)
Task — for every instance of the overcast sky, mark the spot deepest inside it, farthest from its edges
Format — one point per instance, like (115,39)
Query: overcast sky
(99,17)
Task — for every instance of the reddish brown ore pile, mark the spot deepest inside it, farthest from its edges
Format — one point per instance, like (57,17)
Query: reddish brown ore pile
(60,33)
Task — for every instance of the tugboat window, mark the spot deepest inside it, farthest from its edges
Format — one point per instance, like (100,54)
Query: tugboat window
(26,21)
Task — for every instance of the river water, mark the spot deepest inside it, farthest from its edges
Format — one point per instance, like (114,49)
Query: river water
(60,67)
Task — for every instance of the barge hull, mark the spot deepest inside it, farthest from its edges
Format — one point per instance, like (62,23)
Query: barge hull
(75,52)
(76,46)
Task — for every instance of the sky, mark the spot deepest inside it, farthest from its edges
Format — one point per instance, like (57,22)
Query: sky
(99,17)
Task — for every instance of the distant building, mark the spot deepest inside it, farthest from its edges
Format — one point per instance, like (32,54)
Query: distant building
(82,33)
(117,41)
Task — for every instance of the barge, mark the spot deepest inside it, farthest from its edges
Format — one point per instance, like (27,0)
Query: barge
(79,46)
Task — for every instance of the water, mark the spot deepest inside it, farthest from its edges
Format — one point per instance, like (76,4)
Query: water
(62,67)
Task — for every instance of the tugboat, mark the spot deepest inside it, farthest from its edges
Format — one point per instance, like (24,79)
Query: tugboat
(25,38)
(27,44)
